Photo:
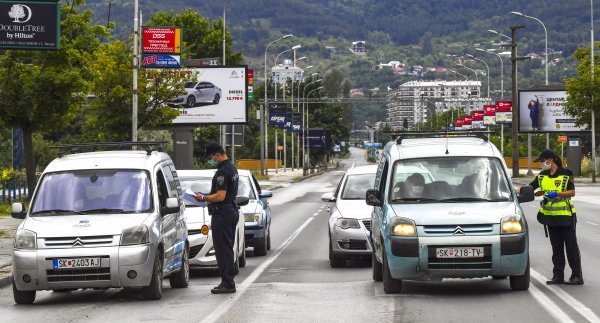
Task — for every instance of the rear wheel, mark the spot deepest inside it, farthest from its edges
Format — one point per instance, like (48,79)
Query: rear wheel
(23,297)
(191,101)
(335,261)
(390,285)
(377,268)
(521,282)
(154,290)
(182,278)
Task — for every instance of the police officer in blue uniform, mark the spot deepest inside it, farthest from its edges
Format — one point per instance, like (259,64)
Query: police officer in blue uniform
(224,211)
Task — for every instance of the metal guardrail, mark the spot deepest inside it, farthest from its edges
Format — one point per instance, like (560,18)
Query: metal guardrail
(13,191)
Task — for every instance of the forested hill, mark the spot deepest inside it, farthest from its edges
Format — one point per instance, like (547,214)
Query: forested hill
(405,21)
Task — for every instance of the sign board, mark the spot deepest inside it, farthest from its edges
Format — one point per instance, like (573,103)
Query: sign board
(318,138)
(504,106)
(477,115)
(297,126)
(218,95)
(489,110)
(238,135)
(562,139)
(458,123)
(543,111)
(278,107)
(250,78)
(202,62)
(29,25)
(164,40)
(503,117)
(489,120)
(161,60)
(467,121)
(277,119)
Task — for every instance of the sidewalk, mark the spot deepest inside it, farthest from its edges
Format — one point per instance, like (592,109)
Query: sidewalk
(284,178)
(8,226)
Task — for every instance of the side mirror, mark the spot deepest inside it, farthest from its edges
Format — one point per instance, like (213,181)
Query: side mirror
(525,194)
(172,206)
(373,198)
(241,200)
(328,197)
(265,194)
(17,211)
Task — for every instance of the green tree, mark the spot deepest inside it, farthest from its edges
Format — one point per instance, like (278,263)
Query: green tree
(43,90)
(580,89)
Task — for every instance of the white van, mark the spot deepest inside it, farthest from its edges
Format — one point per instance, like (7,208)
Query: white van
(102,220)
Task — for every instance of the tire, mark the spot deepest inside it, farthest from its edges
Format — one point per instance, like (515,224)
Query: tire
(181,279)
(269,240)
(154,290)
(23,297)
(260,249)
(390,285)
(217,99)
(242,257)
(377,268)
(334,260)
(499,277)
(190,102)
(521,282)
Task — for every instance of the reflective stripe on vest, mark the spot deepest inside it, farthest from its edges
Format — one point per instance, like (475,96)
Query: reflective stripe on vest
(559,206)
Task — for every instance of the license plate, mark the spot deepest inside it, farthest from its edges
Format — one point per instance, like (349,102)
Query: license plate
(459,252)
(88,262)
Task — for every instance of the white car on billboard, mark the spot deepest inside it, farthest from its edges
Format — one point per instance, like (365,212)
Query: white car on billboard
(198,92)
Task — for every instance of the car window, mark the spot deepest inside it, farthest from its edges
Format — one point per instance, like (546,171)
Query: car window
(356,186)
(196,184)
(190,85)
(457,179)
(127,191)
(256,184)
(245,188)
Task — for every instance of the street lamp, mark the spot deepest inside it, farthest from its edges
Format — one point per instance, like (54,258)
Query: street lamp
(501,93)
(292,92)
(308,144)
(457,73)
(263,126)
(470,69)
(488,71)
(304,122)
(499,34)
(593,118)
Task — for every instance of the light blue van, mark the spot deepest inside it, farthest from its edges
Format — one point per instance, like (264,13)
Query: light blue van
(444,207)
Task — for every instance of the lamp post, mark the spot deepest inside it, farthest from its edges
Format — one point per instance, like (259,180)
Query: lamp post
(457,73)
(302,116)
(470,69)
(277,58)
(488,71)
(304,122)
(297,154)
(501,93)
(593,121)
(263,127)
(499,34)
(516,13)
(308,144)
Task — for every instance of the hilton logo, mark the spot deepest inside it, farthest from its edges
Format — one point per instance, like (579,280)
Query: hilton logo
(459,231)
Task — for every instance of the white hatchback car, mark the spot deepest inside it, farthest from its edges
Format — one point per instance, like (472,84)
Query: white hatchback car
(350,220)
(202,253)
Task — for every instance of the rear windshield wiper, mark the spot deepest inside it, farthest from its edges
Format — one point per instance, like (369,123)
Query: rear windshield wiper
(472,199)
(415,199)
(103,211)
(56,211)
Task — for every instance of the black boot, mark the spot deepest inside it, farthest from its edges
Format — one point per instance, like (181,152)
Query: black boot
(555,281)
(575,280)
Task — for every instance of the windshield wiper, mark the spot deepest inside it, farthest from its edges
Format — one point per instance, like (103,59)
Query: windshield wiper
(56,211)
(103,211)
(472,199)
(415,199)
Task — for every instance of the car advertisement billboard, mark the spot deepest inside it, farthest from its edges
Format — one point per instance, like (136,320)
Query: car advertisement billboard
(161,60)
(213,95)
(163,40)
(29,25)
(543,111)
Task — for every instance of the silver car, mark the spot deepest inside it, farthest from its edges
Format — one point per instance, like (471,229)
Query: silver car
(199,92)
(202,252)
(102,220)
(350,220)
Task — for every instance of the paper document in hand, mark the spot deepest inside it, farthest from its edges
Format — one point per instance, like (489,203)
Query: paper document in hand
(189,196)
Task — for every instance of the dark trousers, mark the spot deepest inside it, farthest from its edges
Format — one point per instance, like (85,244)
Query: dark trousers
(223,225)
(561,237)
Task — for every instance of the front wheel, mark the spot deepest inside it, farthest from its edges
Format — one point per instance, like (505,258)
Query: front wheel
(390,285)
(269,240)
(242,257)
(154,290)
(334,260)
(260,248)
(377,268)
(521,282)
(182,278)
(191,101)
(23,297)
(217,99)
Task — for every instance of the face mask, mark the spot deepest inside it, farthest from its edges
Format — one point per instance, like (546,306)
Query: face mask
(546,166)
(417,189)
(212,162)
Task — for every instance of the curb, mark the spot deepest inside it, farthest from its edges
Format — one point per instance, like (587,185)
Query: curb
(5,281)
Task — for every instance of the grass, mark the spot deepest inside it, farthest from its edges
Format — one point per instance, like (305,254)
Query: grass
(5,209)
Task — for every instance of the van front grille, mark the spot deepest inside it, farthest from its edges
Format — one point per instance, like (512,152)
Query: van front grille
(451,230)
(78,242)
(78,274)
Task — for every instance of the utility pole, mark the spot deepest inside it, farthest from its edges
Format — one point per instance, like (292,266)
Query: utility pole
(134,103)
(515,114)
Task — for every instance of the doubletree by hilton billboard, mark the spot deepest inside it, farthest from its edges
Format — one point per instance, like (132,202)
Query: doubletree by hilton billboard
(29,25)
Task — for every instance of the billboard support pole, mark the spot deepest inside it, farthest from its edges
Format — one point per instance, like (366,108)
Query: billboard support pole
(134,102)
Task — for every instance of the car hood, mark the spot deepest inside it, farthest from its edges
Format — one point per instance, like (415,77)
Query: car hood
(82,225)
(357,209)
(455,213)
(197,215)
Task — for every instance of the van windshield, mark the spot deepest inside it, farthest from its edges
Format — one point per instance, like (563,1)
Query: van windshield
(449,180)
(93,192)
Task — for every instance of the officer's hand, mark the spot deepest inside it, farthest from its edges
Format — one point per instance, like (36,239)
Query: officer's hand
(551,195)
(199,197)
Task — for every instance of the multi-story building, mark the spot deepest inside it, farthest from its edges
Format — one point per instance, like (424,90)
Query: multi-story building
(282,72)
(416,100)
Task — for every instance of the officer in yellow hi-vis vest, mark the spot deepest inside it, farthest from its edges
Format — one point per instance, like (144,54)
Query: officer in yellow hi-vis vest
(557,214)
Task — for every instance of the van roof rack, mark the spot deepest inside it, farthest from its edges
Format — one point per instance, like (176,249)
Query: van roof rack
(483,134)
(148,146)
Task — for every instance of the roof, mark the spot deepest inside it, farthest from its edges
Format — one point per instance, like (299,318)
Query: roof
(365,169)
(121,159)
(206,172)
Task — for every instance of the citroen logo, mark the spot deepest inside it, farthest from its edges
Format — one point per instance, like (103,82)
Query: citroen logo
(77,243)
(459,231)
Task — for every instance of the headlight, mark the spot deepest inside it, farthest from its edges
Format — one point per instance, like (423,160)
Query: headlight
(25,239)
(251,217)
(402,227)
(512,224)
(135,235)
(347,223)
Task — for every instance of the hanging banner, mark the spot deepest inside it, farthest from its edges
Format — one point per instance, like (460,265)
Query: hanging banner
(164,40)
(29,25)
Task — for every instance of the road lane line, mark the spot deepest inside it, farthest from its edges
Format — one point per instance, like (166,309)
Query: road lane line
(224,307)
(570,300)
(549,305)
(592,223)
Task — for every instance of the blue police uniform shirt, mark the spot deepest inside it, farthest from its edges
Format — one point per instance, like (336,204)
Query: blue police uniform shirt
(226,178)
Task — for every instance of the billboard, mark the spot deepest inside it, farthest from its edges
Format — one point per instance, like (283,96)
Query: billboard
(161,60)
(318,138)
(29,25)
(278,107)
(163,40)
(213,95)
(504,106)
(277,119)
(543,111)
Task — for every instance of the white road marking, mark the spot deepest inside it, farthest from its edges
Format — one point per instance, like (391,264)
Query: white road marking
(592,223)
(549,305)
(315,214)
(227,304)
(567,298)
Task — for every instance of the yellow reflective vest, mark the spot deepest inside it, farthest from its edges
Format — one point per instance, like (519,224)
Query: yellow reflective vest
(559,206)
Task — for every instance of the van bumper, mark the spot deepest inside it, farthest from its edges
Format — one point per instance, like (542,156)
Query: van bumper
(415,258)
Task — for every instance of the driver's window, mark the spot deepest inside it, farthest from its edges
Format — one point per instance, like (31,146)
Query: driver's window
(161,185)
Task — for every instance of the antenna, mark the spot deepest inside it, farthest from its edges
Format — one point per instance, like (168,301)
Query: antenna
(447,135)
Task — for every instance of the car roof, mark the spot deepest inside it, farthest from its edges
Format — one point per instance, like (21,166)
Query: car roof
(363,169)
(121,159)
(441,147)
(206,172)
